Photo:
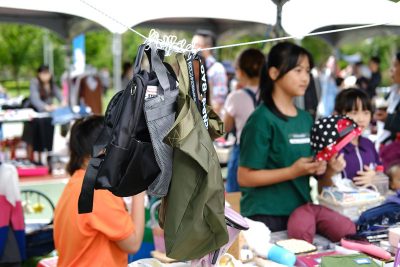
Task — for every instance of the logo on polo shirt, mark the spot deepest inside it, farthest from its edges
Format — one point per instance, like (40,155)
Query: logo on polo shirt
(299,138)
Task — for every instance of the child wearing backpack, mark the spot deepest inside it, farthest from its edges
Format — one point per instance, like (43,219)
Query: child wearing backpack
(107,234)
(275,153)
(358,159)
(240,104)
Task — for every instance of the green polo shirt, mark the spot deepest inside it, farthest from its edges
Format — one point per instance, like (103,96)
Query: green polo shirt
(269,142)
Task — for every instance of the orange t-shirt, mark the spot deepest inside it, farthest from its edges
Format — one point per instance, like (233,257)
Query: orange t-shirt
(88,239)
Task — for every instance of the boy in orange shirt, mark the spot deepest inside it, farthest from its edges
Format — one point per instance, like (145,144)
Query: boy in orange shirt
(105,236)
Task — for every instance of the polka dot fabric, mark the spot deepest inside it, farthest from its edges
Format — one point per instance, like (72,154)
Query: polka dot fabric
(329,131)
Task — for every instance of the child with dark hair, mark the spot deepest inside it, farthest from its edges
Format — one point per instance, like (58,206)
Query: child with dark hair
(107,234)
(358,159)
(275,153)
(240,104)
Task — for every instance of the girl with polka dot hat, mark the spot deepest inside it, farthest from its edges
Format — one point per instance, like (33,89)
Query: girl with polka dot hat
(356,160)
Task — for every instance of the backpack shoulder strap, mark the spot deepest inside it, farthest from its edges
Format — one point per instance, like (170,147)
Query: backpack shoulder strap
(252,95)
(85,202)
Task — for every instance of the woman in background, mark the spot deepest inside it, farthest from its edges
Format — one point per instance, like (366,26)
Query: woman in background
(39,133)
(240,104)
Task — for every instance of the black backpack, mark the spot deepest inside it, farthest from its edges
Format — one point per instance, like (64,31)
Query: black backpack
(123,159)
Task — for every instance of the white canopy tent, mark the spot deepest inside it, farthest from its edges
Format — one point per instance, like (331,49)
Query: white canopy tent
(69,18)
(118,15)
(301,17)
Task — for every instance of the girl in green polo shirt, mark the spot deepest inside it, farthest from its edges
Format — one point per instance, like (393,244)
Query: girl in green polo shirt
(275,153)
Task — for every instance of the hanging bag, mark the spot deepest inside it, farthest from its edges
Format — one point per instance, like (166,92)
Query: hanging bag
(123,159)
(160,116)
(192,214)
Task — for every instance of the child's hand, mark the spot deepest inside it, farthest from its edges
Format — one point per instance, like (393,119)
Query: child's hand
(364,177)
(50,108)
(337,163)
(321,169)
(306,166)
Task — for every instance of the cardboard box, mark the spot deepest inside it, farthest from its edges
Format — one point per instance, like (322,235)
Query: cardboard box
(234,200)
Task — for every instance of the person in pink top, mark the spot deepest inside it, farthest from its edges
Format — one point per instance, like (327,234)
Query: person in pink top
(240,104)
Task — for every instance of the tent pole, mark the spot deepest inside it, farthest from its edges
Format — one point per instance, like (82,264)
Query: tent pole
(279,31)
(117,51)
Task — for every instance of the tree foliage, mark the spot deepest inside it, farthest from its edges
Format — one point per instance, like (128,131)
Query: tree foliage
(21,51)
(99,49)
(21,48)
(383,46)
(17,43)
(319,49)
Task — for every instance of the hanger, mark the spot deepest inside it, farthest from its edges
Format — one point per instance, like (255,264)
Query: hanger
(168,43)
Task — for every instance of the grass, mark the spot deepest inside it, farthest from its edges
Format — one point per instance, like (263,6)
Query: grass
(12,90)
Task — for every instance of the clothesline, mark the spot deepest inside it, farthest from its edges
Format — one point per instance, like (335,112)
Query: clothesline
(294,37)
(170,41)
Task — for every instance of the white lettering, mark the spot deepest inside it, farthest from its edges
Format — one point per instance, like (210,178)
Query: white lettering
(204,87)
(296,141)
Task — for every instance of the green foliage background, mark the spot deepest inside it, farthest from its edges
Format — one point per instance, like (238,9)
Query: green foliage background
(21,50)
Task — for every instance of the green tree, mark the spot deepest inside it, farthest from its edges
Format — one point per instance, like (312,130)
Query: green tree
(16,43)
(21,52)
(240,37)
(130,43)
(98,49)
(383,46)
(319,49)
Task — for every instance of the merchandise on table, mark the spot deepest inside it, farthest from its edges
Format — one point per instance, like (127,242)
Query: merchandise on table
(350,204)
(297,246)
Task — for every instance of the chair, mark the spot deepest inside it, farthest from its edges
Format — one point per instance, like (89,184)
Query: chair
(39,213)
